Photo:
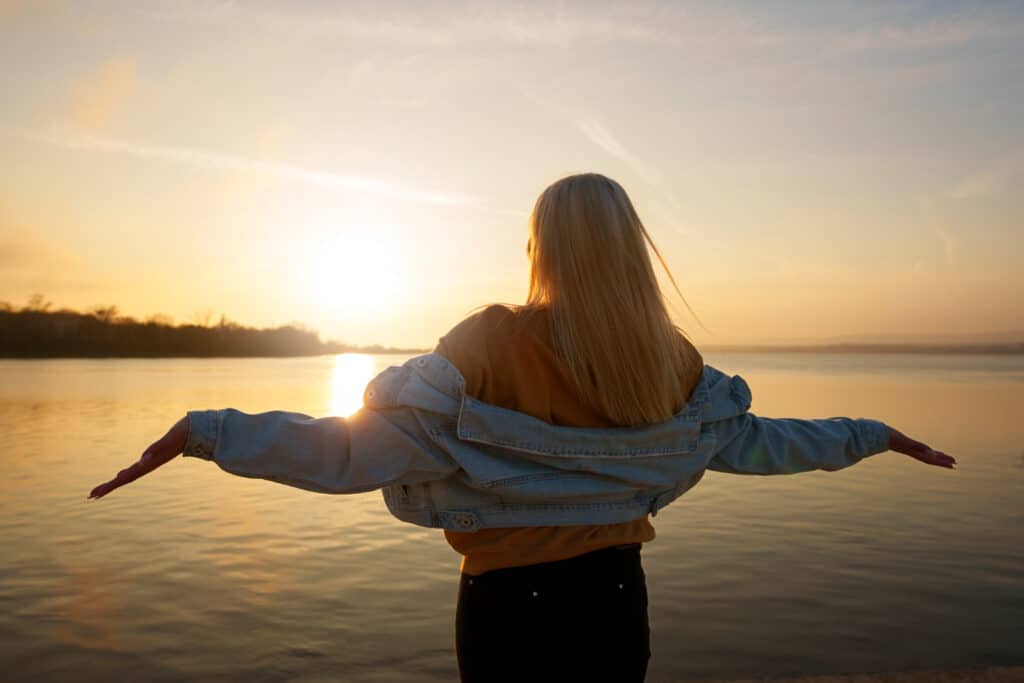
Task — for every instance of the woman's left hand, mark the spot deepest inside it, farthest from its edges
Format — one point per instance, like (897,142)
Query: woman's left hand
(162,450)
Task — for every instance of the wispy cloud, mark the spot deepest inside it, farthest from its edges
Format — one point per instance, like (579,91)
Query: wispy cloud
(934,220)
(218,161)
(948,243)
(999,175)
(98,96)
(569,24)
(590,125)
(426,25)
(23,251)
(601,136)
(34,259)
(598,134)
(935,32)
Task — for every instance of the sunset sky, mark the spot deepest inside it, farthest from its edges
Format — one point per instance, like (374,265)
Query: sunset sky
(810,170)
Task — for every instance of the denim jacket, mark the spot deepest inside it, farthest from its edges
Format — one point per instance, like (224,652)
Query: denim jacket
(445,459)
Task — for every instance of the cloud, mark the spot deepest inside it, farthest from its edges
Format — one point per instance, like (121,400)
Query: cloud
(1000,174)
(22,251)
(949,244)
(540,25)
(97,97)
(603,138)
(564,25)
(939,32)
(31,263)
(218,161)
(598,134)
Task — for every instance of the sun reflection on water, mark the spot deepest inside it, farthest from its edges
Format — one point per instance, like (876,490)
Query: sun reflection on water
(352,371)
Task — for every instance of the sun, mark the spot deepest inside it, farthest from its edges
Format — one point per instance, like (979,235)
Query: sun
(350,274)
(352,372)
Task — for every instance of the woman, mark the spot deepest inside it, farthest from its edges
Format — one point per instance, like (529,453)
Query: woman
(541,438)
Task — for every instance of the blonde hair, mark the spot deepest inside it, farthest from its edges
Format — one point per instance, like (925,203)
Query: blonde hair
(590,267)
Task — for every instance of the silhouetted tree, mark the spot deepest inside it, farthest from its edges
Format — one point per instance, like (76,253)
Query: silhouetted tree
(37,302)
(203,318)
(227,323)
(160,319)
(105,313)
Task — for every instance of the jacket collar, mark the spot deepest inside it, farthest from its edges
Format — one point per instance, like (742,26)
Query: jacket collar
(430,382)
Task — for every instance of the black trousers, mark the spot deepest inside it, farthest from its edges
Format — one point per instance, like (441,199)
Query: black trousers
(581,619)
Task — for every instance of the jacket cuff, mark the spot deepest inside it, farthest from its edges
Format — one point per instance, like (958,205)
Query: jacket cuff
(875,435)
(202,433)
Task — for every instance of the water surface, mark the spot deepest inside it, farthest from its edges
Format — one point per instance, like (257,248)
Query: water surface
(194,573)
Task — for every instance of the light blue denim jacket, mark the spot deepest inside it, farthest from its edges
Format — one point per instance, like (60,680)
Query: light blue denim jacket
(445,459)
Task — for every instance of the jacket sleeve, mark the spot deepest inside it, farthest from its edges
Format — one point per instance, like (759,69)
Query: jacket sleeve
(369,450)
(748,444)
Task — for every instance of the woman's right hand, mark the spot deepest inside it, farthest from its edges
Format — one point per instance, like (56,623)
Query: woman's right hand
(901,443)
(159,452)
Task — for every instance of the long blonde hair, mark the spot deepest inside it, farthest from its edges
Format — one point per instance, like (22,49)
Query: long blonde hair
(590,267)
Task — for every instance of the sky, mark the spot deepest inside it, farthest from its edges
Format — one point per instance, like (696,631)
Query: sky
(811,171)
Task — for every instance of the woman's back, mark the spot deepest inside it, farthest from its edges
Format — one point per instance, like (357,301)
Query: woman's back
(508,359)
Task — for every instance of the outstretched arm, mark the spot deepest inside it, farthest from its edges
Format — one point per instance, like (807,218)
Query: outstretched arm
(366,451)
(159,452)
(755,445)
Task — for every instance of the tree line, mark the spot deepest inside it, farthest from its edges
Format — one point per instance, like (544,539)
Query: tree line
(37,331)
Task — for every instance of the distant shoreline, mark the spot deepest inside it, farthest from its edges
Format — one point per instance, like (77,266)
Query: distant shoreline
(329,350)
(1004,349)
(37,332)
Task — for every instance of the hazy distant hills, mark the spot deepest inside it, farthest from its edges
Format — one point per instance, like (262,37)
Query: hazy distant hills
(951,339)
(37,332)
(1003,342)
(1012,348)
(914,339)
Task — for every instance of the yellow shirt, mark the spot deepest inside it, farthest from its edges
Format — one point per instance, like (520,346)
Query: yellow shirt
(507,359)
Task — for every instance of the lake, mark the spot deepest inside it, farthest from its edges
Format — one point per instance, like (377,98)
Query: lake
(192,573)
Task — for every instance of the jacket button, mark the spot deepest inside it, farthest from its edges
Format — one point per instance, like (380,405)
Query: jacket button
(465,521)
(371,393)
(420,362)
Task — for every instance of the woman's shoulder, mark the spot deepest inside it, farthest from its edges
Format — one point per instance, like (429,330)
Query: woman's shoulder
(483,342)
(487,323)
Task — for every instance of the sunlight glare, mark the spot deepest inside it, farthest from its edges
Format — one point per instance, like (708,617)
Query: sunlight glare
(352,372)
(353,272)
